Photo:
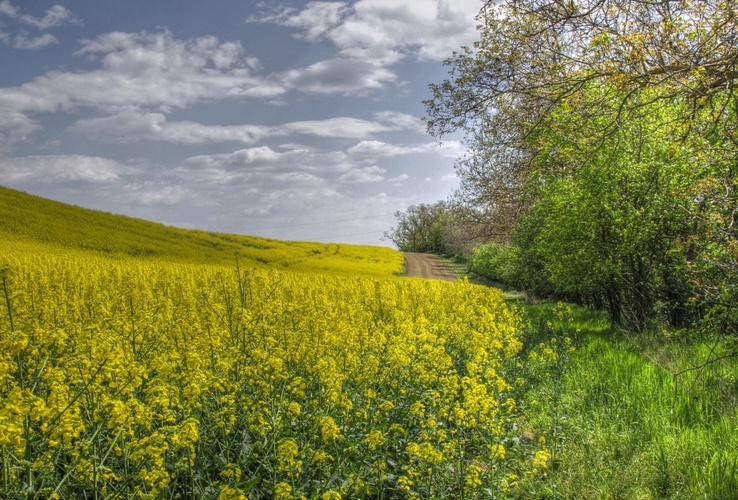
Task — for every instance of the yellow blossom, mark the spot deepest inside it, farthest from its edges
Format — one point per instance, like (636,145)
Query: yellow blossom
(283,491)
(329,431)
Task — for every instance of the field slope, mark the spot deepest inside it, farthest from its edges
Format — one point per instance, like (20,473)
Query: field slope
(31,219)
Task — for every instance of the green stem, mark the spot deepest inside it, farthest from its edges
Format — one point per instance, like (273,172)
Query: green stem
(6,473)
(7,303)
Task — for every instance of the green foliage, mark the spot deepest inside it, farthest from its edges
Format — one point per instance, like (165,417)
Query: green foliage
(497,262)
(423,228)
(641,417)
(604,145)
(27,218)
(605,225)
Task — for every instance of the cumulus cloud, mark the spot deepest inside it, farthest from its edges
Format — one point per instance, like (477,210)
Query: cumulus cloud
(154,193)
(401,121)
(55,16)
(372,148)
(339,75)
(379,148)
(14,128)
(399,179)
(23,41)
(315,20)
(299,178)
(344,127)
(268,185)
(145,70)
(385,31)
(265,159)
(282,203)
(363,175)
(371,36)
(129,126)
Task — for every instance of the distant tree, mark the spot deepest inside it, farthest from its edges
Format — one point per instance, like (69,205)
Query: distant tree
(468,228)
(422,228)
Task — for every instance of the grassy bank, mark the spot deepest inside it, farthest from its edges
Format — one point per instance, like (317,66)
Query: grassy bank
(626,417)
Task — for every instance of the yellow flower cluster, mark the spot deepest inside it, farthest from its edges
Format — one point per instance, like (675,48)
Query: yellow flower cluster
(147,379)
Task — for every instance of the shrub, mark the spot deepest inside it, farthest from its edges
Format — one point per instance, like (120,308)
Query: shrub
(497,262)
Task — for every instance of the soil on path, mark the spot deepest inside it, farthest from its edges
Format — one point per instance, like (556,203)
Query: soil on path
(423,265)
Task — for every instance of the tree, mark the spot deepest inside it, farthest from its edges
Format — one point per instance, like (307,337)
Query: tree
(602,137)
(534,54)
(608,227)
(422,228)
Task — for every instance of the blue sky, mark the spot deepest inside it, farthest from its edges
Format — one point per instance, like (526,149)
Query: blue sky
(290,120)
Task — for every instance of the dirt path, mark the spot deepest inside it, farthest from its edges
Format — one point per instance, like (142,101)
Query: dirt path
(423,265)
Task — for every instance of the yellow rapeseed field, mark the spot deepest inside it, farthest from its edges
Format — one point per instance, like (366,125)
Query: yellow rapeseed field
(130,378)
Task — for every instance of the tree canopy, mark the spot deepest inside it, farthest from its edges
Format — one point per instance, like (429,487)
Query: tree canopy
(602,139)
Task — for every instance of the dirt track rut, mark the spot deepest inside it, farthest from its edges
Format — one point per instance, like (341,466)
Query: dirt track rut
(423,265)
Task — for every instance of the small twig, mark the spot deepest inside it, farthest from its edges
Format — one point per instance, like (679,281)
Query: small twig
(711,359)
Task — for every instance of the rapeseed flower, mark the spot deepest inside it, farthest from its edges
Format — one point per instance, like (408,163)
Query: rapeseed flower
(329,431)
(167,369)
(283,491)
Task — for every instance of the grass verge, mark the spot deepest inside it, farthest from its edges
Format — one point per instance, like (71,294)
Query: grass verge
(624,417)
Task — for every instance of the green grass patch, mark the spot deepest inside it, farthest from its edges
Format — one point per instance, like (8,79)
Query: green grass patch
(625,417)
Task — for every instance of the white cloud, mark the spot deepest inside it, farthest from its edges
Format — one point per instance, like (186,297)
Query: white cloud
(22,41)
(196,133)
(399,179)
(14,128)
(154,193)
(401,121)
(124,126)
(145,70)
(385,31)
(363,175)
(316,20)
(300,178)
(58,169)
(339,75)
(343,127)
(129,126)
(280,204)
(9,10)
(55,16)
(371,36)
(265,159)
(378,148)
(452,149)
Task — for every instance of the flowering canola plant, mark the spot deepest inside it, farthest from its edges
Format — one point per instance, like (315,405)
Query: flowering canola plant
(123,378)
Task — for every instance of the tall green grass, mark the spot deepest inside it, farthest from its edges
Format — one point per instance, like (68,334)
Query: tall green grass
(629,417)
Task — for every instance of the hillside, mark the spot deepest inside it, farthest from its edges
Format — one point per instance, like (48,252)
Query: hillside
(25,218)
